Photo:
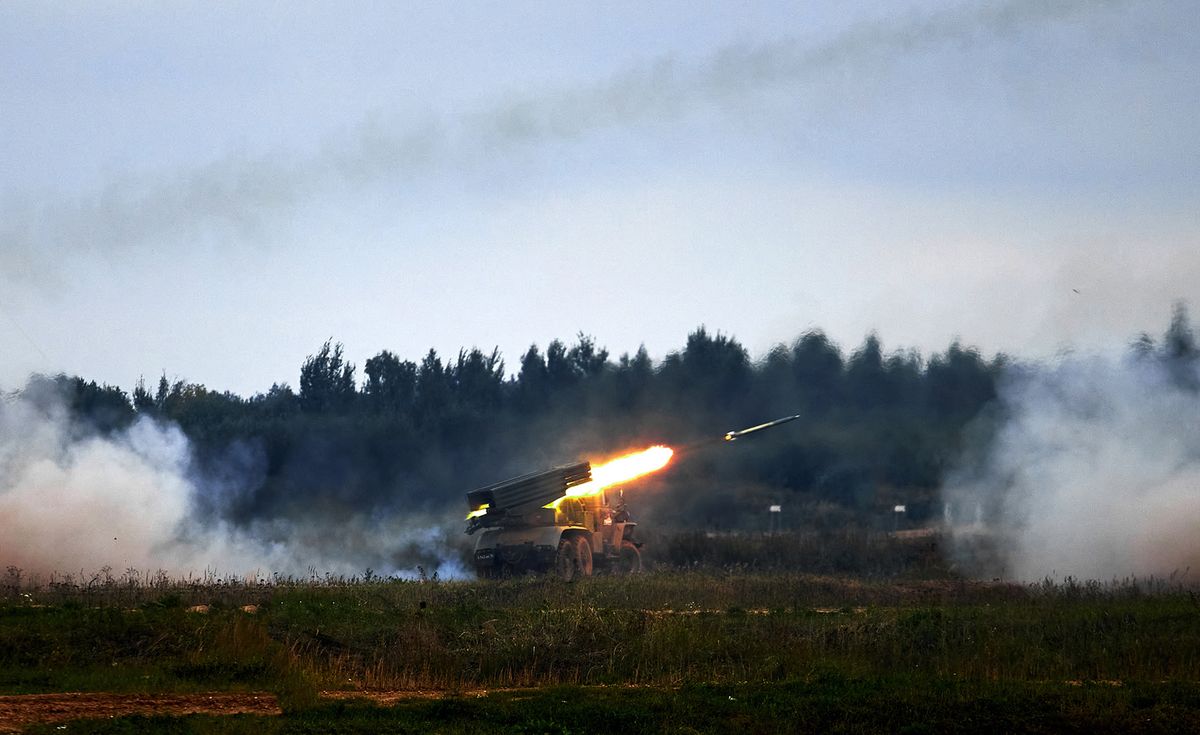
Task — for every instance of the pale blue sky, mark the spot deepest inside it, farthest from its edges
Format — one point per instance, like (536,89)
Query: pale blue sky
(214,191)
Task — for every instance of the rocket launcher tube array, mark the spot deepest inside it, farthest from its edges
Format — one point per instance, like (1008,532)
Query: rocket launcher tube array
(527,491)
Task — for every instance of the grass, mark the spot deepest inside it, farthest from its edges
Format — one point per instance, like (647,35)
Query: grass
(747,629)
(662,630)
(850,550)
(823,703)
(679,651)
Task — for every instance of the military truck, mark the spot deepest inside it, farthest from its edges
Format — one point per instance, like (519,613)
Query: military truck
(532,523)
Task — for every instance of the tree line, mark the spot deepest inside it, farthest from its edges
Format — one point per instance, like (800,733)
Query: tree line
(403,435)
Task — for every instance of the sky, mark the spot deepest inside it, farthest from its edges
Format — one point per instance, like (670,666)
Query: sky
(211,191)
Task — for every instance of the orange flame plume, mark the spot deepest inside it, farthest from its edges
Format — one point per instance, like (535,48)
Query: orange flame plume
(623,469)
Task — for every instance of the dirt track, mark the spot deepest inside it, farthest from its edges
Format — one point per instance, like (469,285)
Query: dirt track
(19,711)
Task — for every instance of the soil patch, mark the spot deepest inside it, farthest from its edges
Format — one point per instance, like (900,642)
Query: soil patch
(20,711)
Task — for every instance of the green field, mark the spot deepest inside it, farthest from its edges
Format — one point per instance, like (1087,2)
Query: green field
(673,651)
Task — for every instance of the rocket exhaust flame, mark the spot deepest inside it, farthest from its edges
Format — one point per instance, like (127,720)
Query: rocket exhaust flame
(623,469)
(559,483)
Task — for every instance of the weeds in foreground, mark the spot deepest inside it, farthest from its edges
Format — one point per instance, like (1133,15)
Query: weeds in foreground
(825,702)
(654,629)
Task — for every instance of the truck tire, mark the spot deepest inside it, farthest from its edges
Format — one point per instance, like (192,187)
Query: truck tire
(629,560)
(566,560)
(585,556)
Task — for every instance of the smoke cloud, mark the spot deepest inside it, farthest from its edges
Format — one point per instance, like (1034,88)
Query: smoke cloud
(237,197)
(1093,473)
(73,501)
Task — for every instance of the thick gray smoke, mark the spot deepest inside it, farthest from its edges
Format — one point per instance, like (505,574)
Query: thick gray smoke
(238,196)
(1094,473)
(74,502)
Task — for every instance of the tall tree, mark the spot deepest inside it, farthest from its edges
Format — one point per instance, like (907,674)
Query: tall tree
(478,379)
(532,381)
(588,360)
(433,389)
(958,382)
(716,368)
(143,402)
(561,371)
(1180,351)
(633,378)
(817,368)
(866,379)
(326,380)
(391,384)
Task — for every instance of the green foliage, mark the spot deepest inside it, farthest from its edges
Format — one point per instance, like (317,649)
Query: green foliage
(391,383)
(477,381)
(713,371)
(681,652)
(433,389)
(840,549)
(654,630)
(102,408)
(871,421)
(879,427)
(143,402)
(326,380)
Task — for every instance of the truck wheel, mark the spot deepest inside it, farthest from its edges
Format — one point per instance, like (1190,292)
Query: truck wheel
(566,560)
(585,556)
(630,559)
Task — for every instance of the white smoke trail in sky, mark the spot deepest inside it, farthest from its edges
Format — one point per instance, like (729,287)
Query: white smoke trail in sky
(237,196)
